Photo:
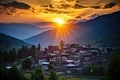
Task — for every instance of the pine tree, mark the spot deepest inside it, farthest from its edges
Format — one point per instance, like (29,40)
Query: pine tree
(33,50)
(39,47)
(12,55)
(61,44)
(53,76)
(113,72)
(15,74)
(37,75)
(3,58)
(26,64)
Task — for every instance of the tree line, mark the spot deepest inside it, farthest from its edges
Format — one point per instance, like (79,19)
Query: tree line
(8,57)
(15,74)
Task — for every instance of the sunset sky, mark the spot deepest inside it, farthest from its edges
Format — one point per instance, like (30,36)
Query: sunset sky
(37,11)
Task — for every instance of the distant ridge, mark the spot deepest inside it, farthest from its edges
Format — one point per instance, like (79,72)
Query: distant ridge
(89,32)
(8,42)
(20,30)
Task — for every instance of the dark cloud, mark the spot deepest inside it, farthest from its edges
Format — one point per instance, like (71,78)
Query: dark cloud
(10,7)
(110,5)
(8,11)
(70,0)
(62,6)
(51,10)
(78,17)
(96,2)
(96,7)
(48,5)
(6,1)
(78,6)
(33,10)
(65,6)
(15,4)
(56,11)
(51,6)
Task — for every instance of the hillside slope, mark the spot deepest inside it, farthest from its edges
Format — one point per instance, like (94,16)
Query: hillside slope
(8,42)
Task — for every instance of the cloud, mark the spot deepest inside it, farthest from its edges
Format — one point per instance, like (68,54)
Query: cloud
(110,5)
(69,0)
(57,11)
(96,2)
(15,4)
(36,2)
(78,6)
(78,17)
(104,6)
(91,13)
(6,1)
(65,6)
(48,10)
(8,10)
(11,7)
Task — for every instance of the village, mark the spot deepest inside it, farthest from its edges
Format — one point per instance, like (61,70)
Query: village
(71,58)
(66,61)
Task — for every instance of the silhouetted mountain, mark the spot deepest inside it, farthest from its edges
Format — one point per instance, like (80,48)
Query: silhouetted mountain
(20,31)
(50,37)
(96,30)
(111,41)
(101,29)
(7,42)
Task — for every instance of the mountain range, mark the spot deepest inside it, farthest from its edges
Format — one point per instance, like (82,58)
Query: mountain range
(97,32)
(103,30)
(20,30)
(7,42)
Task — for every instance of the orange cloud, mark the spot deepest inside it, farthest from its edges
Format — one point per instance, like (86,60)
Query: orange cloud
(69,10)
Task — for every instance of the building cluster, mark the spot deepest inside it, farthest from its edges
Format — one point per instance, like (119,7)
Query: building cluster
(71,58)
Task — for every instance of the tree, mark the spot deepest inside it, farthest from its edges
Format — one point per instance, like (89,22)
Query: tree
(37,75)
(45,49)
(23,52)
(36,57)
(113,72)
(15,74)
(94,70)
(33,50)
(3,58)
(53,75)
(3,73)
(61,44)
(11,74)
(26,64)
(39,47)
(50,67)
(12,55)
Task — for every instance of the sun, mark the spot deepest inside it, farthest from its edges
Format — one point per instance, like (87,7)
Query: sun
(59,21)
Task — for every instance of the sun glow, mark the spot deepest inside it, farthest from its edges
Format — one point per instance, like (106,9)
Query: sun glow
(63,30)
(59,21)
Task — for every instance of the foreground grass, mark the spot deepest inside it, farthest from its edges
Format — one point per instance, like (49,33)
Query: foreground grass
(28,75)
(63,78)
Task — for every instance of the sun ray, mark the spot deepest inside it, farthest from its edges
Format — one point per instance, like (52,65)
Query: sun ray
(63,31)
(59,21)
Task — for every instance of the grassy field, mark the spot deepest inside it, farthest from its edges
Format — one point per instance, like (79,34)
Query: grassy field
(28,75)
